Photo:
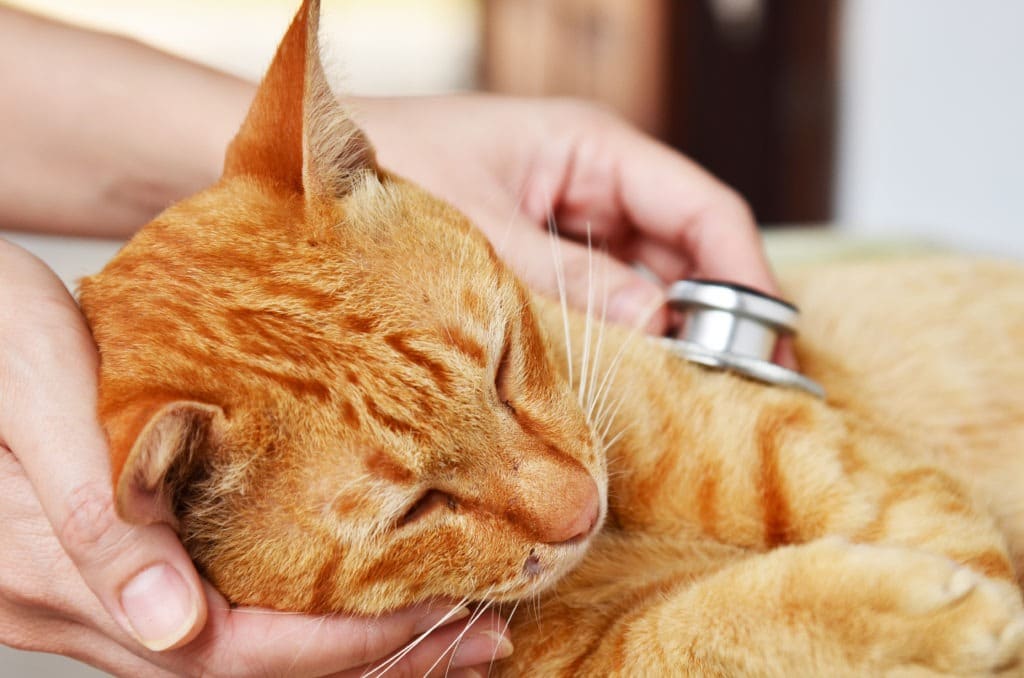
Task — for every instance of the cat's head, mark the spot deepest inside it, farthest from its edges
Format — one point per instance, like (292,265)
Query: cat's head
(329,382)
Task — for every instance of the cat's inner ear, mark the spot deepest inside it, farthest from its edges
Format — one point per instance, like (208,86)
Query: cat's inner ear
(166,434)
(336,152)
(297,135)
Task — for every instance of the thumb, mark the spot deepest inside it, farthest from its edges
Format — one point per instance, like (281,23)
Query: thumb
(592,279)
(48,389)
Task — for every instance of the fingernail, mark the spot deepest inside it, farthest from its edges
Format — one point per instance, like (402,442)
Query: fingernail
(445,616)
(634,304)
(481,648)
(160,607)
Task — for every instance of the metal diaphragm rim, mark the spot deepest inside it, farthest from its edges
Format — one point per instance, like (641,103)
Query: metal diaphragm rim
(759,370)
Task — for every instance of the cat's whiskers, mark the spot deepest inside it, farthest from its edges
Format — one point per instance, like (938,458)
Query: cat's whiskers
(450,650)
(559,265)
(504,630)
(616,474)
(594,389)
(606,389)
(606,414)
(589,386)
(389,662)
(616,437)
(305,644)
(588,324)
(535,603)
(282,613)
(500,247)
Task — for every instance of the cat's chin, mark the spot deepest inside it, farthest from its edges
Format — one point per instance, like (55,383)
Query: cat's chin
(546,565)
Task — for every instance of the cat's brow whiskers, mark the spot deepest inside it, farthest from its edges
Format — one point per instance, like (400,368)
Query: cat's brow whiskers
(386,664)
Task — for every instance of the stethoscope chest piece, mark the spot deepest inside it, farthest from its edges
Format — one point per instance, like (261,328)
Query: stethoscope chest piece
(735,328)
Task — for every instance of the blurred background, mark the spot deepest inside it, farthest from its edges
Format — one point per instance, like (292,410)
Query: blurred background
(852,121)
(892,119)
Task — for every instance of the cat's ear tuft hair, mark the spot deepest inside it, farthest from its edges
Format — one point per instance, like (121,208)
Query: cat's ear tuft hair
(150,440)
(297,136)
(336,152)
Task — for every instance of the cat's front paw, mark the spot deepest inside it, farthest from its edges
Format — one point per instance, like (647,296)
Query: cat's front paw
(967,623)
(932,612)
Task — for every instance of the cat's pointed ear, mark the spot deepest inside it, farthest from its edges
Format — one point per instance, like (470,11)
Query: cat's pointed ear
(146,440)
(297,135)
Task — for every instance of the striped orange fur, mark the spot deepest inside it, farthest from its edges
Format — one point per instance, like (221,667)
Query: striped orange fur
(345,402)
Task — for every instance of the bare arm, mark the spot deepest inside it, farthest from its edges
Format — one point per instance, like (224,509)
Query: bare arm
(99,132)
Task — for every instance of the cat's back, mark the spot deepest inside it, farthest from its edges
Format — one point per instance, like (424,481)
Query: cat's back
(931,348)
(934,342)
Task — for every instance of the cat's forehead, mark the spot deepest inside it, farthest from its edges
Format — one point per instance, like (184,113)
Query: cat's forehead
(412,246)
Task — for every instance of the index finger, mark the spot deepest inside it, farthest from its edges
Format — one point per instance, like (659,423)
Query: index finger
(669,197)
(243,641)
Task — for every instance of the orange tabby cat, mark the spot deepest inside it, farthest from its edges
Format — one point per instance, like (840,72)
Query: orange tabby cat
(346,402)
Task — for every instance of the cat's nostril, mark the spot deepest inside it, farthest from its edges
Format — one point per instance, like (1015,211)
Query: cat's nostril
(425,505)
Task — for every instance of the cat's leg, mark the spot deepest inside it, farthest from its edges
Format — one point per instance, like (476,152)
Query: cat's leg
(830,607)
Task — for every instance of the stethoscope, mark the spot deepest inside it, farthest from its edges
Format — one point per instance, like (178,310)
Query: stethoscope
(735,328)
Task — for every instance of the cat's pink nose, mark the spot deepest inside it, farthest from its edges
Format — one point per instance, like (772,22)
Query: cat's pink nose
(579,515)
(553,500)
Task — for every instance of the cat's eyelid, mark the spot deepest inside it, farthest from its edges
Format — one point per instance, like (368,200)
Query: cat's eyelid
(501,374)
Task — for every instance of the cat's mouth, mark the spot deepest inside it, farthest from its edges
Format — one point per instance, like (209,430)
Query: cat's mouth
(546,564)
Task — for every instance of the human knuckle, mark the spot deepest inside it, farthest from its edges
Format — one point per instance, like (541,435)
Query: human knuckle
(23,594)
(91,522)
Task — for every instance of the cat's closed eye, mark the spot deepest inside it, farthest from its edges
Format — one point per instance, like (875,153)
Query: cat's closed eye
(429,501)
(502,378)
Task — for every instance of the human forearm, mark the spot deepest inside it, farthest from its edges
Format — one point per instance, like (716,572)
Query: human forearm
(100,132)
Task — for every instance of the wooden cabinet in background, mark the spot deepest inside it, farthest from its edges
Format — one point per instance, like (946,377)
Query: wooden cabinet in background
(745,87)
(611,51)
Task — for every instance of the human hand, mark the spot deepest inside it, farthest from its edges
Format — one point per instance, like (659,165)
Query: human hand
(76,580)
(510,163)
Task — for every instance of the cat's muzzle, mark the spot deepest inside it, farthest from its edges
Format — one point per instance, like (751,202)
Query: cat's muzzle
(735,328)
